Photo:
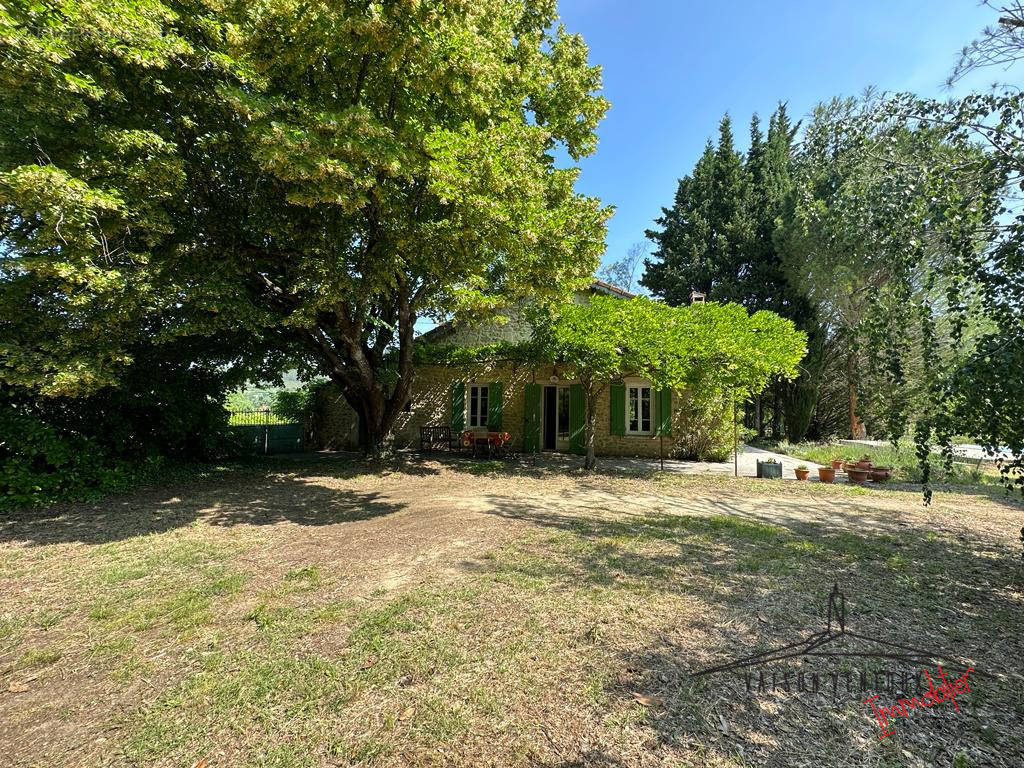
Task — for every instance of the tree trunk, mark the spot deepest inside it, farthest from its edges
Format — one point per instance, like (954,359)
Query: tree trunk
(856,428)
(590,462)
(356,360)
(777,414)
(759,417)
(375,422)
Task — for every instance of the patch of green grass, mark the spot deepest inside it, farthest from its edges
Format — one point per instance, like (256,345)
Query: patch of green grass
(38,657)
(9,626)
(250,693)
(244,696)
(170,580)
(307,577)
(46,619)
(111,646)
(902,459)
(484,467)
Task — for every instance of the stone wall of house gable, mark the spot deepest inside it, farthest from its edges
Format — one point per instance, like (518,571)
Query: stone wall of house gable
(515,329)
(335,427)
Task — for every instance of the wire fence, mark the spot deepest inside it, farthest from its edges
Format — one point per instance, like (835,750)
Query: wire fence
(256,418)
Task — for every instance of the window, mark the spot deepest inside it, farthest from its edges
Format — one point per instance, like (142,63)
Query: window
(638,410)
(478,406)
(563,413)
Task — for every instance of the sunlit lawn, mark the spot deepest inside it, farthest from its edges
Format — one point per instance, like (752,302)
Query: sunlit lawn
(901,459)
(318,618)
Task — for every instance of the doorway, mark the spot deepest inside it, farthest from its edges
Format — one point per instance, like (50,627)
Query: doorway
(555,419)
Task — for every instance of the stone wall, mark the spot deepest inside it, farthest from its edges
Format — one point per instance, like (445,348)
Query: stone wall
(430,404)
(510,325)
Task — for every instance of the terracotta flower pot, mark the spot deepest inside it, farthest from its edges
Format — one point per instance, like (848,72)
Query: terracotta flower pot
(856,474)
(827,474)
(880,474)
(865,463)
(802,474)
(837,464)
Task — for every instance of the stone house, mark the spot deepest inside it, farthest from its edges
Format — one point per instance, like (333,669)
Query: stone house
(536,404)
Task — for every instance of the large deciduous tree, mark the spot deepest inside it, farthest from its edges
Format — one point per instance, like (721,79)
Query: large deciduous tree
(317,176)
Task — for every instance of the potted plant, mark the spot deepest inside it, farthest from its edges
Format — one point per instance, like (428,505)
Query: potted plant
(827,474)
(837,464)
(769,469)
(856,474)
(880,474)
(864,462)
(802,472)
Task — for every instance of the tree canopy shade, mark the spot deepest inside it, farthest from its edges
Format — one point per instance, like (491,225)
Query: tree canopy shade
(712,347)
(315,175)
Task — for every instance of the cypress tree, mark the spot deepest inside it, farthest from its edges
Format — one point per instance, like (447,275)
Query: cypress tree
(721,237)
(702,240)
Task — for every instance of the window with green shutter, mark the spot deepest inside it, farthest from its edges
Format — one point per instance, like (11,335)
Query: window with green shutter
(458,407)
(494,398)
(639,409)
(531,418)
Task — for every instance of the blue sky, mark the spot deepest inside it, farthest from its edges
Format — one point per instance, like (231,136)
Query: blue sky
(673,67)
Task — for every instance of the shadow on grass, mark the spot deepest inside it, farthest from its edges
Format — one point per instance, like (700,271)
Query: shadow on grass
(718,579)
(238,498)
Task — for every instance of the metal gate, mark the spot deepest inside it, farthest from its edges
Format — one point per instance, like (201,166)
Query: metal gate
(266,433)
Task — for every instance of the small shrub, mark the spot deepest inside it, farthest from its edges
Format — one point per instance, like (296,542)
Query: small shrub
(703,428)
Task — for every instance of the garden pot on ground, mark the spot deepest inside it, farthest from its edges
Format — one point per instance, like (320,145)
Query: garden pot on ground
(864,463)
(827,474)
(769,470)
(880,474)
(837,464)
(856,474)
(801,474)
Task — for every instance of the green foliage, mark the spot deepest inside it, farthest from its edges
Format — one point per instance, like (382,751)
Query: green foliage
(58,448)
(718,347)
(240,401)
(317,178)
(38,464)
(296,405)
(718,236)
(902,459)
(96,99)
(456,356)
(703,430)
(718,350)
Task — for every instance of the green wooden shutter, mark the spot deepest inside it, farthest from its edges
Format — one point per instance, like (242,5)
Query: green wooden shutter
(577,437)
(494,392)
(665,412)
(458,407)
(531,418)
(617,407)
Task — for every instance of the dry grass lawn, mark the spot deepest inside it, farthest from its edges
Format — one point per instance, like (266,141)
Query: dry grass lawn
(320,614)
